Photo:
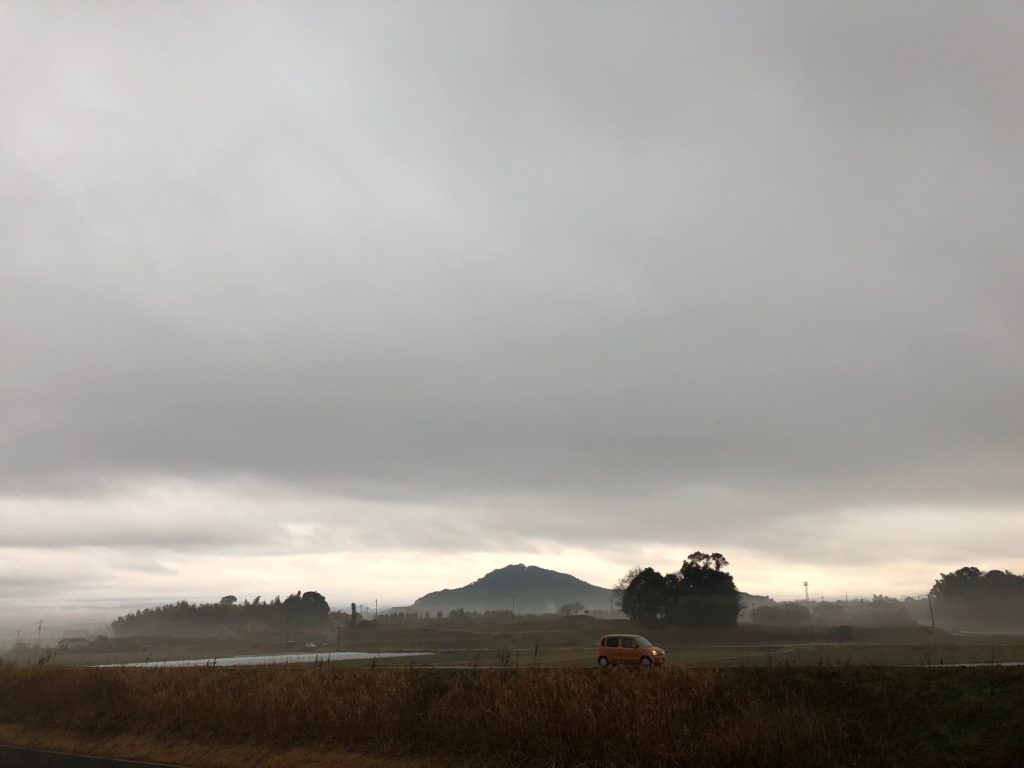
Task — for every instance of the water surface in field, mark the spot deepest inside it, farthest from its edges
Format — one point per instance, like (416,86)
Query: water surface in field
(280,658)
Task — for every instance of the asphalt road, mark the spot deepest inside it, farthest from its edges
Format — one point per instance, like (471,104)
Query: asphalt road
(16,757)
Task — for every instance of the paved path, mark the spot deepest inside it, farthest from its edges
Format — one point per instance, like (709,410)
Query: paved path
(16,757)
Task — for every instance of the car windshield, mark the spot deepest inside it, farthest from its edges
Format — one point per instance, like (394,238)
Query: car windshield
(643,642)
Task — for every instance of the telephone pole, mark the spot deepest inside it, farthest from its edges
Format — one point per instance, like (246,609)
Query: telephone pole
(807,594)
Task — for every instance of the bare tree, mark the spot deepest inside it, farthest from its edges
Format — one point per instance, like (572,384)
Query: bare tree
(623,584)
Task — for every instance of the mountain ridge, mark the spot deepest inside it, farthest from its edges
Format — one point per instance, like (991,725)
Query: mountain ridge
(519,587)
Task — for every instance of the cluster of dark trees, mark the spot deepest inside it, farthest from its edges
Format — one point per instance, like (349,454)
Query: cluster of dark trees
(298,614)
(973,599)
(700,594)
(880,611)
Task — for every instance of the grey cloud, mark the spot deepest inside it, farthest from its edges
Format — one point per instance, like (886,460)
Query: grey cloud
(17,586)
(517,250)
(103,533)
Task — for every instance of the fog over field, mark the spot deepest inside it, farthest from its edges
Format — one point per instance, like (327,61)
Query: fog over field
(374,298)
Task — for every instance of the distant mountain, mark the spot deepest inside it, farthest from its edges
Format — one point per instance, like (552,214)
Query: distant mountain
(535,590)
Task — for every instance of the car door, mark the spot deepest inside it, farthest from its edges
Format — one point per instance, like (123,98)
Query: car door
(622,650)
(611,649)
(628,648)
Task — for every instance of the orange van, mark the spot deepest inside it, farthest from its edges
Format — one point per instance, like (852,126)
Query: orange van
(629,649)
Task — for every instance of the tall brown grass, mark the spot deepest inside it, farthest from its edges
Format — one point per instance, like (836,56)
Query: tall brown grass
(497,717)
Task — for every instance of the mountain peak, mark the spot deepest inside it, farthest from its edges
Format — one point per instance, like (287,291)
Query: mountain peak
(529,588)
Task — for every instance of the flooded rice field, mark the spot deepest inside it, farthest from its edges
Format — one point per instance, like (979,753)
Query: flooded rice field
(280,658)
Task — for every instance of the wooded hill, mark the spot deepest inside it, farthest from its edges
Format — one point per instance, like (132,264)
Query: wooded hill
(528,589)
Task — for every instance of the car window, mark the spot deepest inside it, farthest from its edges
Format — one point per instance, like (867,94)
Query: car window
(612,642)
(627,642)
(643,642)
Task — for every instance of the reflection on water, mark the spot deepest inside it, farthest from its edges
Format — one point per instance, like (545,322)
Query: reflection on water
(281,658)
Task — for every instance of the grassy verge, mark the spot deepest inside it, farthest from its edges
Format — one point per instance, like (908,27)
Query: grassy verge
(542,717)
(199,754)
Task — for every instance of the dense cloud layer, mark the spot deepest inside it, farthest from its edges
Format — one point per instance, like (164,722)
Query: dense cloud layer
(506,272)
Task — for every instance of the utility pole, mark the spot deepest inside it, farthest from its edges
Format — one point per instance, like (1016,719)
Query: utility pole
(807,594)
(39,633)
(930,612)
(375,609)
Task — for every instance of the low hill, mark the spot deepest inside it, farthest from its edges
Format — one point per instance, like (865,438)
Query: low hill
(533,589)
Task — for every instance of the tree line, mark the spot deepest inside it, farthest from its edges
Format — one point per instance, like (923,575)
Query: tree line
(297,614)
(879,611)
(702,594)
(970,598)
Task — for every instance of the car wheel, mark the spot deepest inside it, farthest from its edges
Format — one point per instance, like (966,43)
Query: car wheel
(602,662)
(645,661)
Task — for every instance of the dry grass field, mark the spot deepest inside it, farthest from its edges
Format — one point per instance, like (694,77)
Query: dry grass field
(838,716)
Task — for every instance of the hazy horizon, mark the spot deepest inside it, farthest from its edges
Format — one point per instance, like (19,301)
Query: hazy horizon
(97,616)
(375,298)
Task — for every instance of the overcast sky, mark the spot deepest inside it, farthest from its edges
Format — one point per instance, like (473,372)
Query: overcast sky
(372,298)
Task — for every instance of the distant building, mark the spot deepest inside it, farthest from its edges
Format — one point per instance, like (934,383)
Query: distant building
(73,643)
(750,603)
(74,640)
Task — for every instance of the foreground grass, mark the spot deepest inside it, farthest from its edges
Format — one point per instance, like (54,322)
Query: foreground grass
(541,717)
(199,754)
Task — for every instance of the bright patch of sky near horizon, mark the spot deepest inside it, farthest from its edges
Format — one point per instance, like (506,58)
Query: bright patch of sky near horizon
(373,299)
